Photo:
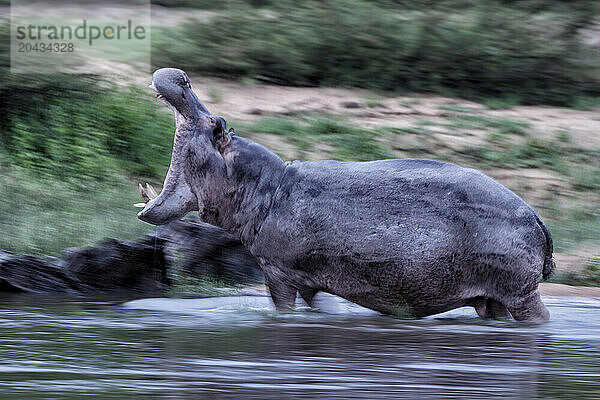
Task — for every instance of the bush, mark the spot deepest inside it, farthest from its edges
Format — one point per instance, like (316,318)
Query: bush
(66,142)
(45,215)
(349,143)
(64,131)
(79,127)
(588,276)
(473,49)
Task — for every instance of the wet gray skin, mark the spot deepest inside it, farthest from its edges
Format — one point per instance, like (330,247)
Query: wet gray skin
(404,237)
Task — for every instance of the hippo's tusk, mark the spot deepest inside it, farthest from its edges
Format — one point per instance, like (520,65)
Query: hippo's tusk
(145,197)
(150,191)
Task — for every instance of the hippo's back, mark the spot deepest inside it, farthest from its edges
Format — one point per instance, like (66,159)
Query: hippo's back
(372,206)
(392,187)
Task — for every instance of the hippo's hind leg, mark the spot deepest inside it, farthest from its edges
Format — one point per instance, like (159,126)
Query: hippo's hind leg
(490,309)
(529,308)
(479,304)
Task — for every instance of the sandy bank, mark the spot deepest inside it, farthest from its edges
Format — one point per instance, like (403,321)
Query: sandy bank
(557,289)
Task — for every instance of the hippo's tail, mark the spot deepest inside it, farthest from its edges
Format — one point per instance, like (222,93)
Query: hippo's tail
(548,261)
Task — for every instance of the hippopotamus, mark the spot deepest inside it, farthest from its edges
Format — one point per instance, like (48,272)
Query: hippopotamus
(405,237)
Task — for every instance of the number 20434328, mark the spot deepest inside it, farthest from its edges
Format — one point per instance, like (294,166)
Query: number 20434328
(41,47)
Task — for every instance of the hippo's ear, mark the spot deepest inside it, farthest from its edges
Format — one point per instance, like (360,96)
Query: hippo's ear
(222,138)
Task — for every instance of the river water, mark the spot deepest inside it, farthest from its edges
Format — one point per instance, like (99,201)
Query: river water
(237,347)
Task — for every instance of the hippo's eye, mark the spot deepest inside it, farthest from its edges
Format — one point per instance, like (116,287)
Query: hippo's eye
(212,120)
(187,81)
(184,82)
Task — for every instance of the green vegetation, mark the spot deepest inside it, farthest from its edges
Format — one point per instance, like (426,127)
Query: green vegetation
(500,125)
(372,103)
(534,153)
(69,146)
(65,168)
(504,52)
(45,215)
(80,127)
(82,133)
(510,143)
(65,171)
(184,285)
(573,226)
(350,143)
(587,179)
(588,276)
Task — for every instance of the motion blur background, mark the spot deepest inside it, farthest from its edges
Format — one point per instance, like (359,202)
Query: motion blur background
(508,87)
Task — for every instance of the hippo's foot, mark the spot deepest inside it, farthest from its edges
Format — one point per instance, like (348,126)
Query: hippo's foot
(491,309)
(529,308)
(284,298)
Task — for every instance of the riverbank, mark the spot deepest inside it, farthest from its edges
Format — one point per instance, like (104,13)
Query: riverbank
(561,290)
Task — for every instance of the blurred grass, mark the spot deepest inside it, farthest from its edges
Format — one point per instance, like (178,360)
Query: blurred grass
(534,153)
(72,148)
(82,134)
(80,127)
(504,53)
(574,226)
(349,143)
(46,215)
(353,143)
(184,285)
(501,125)
(67,167)
(588,276)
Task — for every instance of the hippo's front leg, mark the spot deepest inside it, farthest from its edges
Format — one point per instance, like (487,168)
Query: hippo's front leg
(283,292)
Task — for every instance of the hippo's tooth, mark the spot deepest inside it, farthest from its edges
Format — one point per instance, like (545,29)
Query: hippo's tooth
(150,191)
(144,193)
(139,205)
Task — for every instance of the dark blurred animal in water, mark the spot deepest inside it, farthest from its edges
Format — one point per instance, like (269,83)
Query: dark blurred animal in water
(114,266)
(404,237)
(209,252)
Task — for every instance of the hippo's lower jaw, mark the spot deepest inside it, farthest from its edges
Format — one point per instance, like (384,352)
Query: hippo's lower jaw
(174,202)
(168,206)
